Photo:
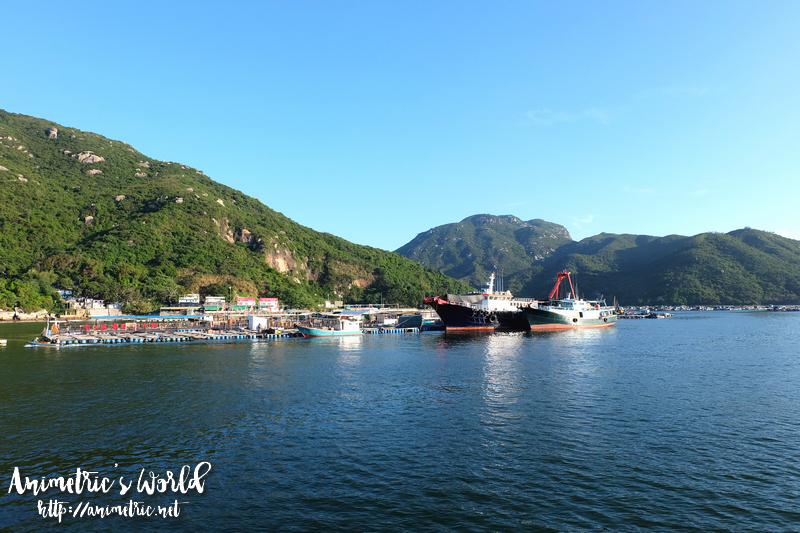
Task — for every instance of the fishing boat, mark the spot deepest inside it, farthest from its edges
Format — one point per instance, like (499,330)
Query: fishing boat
(48,337)
(569,313)
(489,310)
(43,343)
(333,326)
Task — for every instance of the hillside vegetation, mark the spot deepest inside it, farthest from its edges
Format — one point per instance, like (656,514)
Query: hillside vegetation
(472,249)
(745,266)
(741,267)
(93,214)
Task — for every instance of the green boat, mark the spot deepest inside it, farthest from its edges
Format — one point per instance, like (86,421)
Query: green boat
(569,313)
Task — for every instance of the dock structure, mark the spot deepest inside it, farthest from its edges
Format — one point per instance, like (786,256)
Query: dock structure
(391,330)
(111,337)
(90,336)
(189,335)
(189,328)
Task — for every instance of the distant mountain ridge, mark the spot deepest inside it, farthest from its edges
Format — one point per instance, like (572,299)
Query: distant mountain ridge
(745,266)
(480,244)
(84,212)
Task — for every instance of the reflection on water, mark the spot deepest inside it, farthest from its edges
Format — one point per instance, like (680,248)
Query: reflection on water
(502,371)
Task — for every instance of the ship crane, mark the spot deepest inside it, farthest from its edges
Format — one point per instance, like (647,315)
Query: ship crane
(561,275)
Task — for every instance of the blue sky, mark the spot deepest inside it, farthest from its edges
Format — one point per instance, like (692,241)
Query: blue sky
(375,121)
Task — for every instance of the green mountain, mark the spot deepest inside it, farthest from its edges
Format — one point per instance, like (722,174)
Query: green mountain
(81,211)
(478,245)
(741,267)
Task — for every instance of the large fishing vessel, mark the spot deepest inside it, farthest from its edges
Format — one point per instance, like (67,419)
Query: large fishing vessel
(487,310)
(570,312)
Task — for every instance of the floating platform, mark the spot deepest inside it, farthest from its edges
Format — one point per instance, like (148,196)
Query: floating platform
(187,335)
(390,330)
(649,315)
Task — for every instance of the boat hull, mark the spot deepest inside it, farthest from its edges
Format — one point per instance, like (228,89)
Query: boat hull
(318,332)
(36,343)
(545,319)
(462,318)
(409,321)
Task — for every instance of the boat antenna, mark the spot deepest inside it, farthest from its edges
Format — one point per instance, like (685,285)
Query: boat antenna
(490,285)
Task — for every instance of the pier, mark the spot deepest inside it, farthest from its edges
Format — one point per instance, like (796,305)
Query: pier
(179,335)
(177,330)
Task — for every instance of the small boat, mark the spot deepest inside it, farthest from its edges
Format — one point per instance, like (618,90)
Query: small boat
(48,336)
(333,326)
(569,313)
(43,343)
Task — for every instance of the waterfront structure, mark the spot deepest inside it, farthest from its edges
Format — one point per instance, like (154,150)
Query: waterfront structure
(190,300)
(214,303)
(271,305)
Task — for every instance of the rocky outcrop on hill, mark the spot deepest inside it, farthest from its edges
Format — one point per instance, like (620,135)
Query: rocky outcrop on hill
(41,314)
(52,133)
(246,236)
(281,259)
(89,157)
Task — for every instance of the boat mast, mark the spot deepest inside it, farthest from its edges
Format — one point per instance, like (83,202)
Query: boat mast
(490,285)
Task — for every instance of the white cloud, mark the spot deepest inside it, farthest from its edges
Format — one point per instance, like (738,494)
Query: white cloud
(548,116)
(582,221)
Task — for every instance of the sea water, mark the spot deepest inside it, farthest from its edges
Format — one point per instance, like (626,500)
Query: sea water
(686,424)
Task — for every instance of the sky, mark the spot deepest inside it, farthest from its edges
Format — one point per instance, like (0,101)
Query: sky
(378,120)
